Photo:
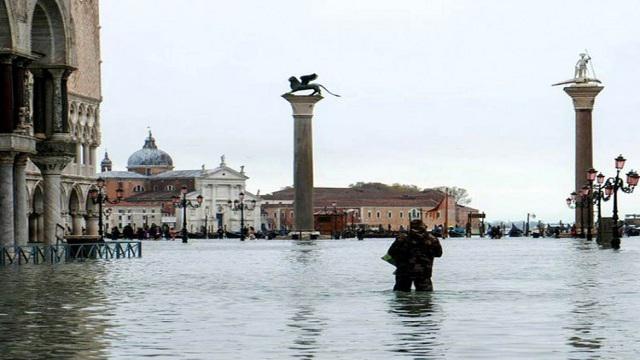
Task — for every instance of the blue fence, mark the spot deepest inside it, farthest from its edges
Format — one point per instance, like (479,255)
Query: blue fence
(52,254)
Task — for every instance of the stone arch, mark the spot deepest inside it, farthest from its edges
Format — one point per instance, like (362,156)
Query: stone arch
(6,33)
(36,216)
(48,32)
(76,211)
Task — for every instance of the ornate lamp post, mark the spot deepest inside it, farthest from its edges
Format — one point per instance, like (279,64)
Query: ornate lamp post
(242,206)
(611,186)
(98,197)
(591,176)
(598,196)
(183,203)
(579,200)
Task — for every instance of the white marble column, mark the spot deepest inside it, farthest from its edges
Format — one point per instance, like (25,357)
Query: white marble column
(6,199)
(51,168)
(21,203)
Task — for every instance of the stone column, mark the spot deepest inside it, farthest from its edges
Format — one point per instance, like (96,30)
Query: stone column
(7,124)
(6,199)
(60,106)
(583,96)
(21,201)
(76,223)
(51,168)
(92,224)
(303,159)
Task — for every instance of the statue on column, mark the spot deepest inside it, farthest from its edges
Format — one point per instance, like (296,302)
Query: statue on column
(581,73)
(305,84)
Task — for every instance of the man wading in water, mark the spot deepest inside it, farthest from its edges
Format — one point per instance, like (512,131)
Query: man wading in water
(413,255)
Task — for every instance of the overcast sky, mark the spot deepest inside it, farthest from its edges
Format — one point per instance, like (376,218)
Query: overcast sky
(433,92)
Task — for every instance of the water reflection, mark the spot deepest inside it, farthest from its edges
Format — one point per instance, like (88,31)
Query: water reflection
(307,328)
(421,321)
(52,312)
(587,309)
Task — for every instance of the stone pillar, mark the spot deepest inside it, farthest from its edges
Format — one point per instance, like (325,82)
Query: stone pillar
(303,159)
(76,223)
(7,124)
(60,105)
(21,201)
(92,224)
(583,96)
(6,199)
(51,168)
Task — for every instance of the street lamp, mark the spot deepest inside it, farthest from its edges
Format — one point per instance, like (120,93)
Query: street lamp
(242,206)
(611,186)
(598,195)
(206,217)
(183,203)
(579,200)
(98,197)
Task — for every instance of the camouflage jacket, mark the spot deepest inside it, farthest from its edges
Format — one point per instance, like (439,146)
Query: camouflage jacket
(413,253)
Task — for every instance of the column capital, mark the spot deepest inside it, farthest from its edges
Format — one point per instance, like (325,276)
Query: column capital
(583,95)
(51,165)
(7,158)
(302,105)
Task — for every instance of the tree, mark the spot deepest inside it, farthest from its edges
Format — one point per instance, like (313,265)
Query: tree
(401,188)
(459,194)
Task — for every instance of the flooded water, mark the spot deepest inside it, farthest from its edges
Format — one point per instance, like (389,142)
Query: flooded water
(225,299)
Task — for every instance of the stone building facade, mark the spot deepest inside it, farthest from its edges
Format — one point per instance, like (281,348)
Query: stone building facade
(150,185)
(370,208)
(50,94)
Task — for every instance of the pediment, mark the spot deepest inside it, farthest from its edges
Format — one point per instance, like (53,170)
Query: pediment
(224,173)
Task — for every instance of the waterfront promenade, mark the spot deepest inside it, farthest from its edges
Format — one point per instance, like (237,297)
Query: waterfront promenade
(226,299)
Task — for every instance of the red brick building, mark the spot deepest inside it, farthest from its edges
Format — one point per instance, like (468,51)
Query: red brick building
(369,208)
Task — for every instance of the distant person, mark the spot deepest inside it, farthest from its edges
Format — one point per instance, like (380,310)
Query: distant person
(468,230)
(220,232)
(413,255)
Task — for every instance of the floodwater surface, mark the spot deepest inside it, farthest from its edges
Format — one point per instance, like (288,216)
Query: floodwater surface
(331,299)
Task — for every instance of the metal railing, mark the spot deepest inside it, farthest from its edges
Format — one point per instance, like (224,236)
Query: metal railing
(60,253)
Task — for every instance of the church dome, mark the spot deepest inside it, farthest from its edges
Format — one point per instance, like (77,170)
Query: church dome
(149,156)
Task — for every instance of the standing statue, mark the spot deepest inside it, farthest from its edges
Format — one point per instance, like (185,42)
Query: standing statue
(581,66)
(581,73)
(304,84)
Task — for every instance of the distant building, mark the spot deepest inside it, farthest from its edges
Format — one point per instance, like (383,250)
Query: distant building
(150,185)
(371,208)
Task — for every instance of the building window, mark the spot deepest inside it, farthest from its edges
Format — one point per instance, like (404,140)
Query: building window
(155,187)
(153,211)
(389,214)
(378,214)
(401,214)
(138,188)
(369,214)
(170,187)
